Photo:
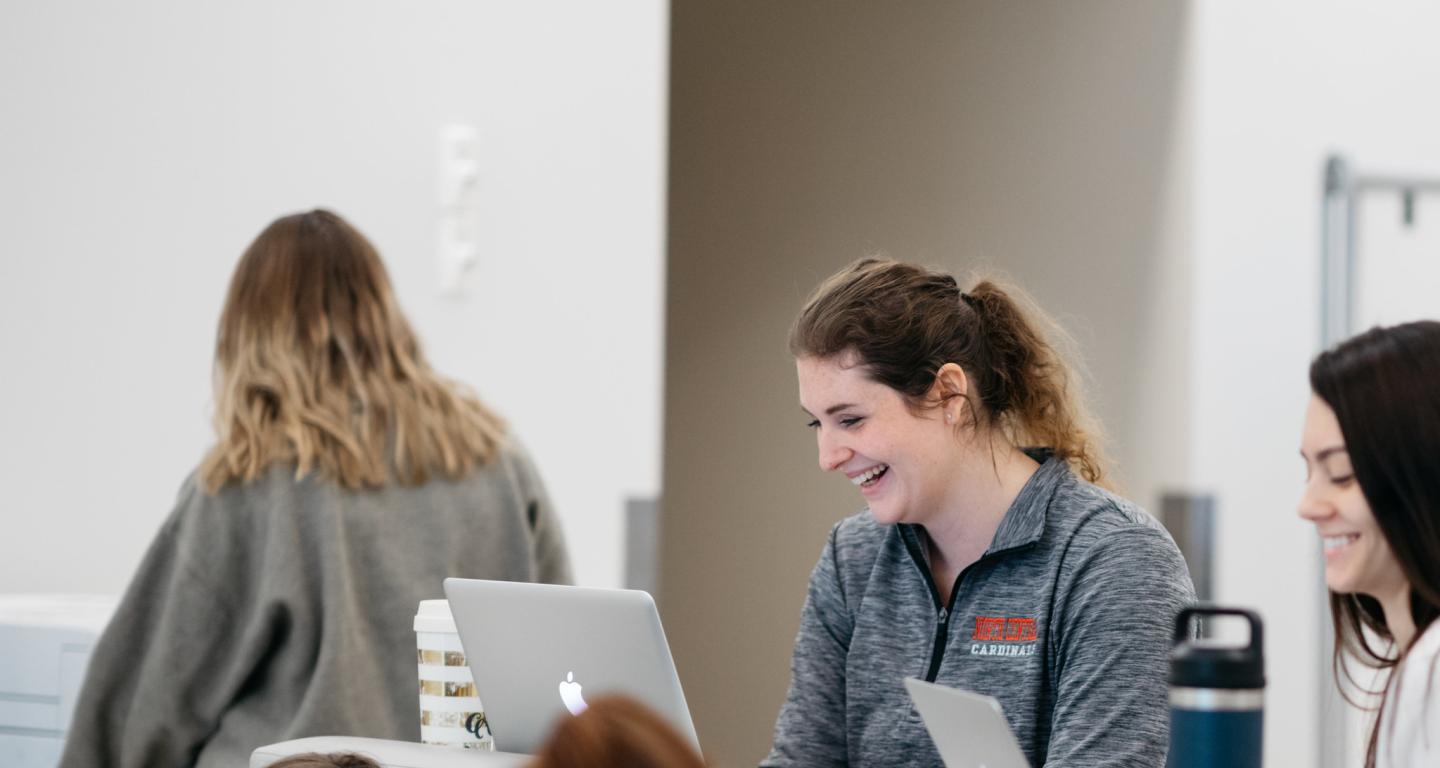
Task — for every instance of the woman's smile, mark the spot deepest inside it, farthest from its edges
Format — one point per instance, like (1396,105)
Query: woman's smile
(870,477)
(857,420)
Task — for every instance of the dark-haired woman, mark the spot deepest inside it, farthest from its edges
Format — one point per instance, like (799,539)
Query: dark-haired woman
(988,559)
(347,480)
(1371,445)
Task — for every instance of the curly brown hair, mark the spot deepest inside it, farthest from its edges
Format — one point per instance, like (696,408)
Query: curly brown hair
(616,732)
(330,760)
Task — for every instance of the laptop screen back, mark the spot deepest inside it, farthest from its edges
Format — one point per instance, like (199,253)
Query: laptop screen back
(969,730)
(537,651)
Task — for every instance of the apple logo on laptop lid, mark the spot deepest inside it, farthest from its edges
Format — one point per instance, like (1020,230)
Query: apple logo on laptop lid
(570,694)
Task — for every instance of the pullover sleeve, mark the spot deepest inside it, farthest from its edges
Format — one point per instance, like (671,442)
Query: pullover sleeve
(811,728)
(1111,704)
(548,550)
(176,652)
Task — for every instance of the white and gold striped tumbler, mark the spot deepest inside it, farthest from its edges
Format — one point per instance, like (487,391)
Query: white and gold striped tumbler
(450,712)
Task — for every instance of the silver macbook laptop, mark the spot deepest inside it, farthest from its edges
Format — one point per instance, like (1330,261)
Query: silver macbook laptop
(969,730)
(538,651)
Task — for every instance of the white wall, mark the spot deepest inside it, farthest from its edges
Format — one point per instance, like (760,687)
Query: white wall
(1398,264)
(144,144)
(1279,85)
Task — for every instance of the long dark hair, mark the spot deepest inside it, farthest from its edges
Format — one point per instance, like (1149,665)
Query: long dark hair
(1384,386)
(904,322)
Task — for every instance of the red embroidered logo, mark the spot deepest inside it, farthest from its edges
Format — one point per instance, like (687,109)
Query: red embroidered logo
(1004,629)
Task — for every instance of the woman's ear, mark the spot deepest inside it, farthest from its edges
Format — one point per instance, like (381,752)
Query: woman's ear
(952,390)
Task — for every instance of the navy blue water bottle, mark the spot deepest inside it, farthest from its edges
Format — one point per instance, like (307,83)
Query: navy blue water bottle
(1217,696)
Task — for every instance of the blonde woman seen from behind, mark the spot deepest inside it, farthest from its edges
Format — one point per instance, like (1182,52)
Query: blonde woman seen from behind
(347,480)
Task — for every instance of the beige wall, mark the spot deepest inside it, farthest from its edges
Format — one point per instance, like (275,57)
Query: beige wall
(1036,138)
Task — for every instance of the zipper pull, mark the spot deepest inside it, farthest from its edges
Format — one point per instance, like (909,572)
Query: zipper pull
(942,616)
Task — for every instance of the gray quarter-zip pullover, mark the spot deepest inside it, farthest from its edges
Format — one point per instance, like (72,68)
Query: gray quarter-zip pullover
(1066,619)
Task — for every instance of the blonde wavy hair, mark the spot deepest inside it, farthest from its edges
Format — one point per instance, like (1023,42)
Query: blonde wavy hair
(315,364)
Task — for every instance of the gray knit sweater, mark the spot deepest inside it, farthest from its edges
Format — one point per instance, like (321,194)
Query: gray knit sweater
(279,609)
(1066,619)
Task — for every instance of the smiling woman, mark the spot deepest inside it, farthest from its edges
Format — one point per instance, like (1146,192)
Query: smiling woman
(988,557)
(1371,438)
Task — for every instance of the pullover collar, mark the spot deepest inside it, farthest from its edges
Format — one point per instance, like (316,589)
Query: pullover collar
(1024,521)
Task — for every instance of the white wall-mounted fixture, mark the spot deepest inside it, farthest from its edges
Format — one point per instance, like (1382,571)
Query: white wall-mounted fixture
(457,248)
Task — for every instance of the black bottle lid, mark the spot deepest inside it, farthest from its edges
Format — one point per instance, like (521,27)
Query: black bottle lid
(1199,664)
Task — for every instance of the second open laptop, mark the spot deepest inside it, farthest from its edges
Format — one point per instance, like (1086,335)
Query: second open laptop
(537,651)
(969,730)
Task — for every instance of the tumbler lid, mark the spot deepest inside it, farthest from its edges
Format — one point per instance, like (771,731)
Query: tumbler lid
(1202,664)
(434,616)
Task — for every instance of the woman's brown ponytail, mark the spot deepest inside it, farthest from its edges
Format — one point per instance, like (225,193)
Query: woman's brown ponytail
(1026,384)
(904,322)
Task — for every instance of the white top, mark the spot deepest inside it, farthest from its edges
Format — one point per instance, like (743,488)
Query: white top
(1410,732)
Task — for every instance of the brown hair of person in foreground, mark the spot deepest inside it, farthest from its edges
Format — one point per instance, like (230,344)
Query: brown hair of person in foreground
(616,731)
(332,760)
